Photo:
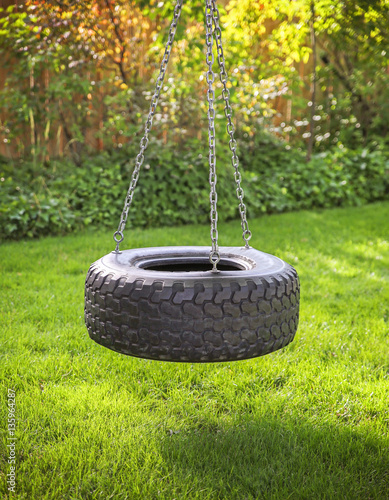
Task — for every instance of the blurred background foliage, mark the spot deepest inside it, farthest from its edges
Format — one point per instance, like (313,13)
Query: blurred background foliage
(308,83)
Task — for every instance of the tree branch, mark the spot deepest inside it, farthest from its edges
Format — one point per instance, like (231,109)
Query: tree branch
(121,40)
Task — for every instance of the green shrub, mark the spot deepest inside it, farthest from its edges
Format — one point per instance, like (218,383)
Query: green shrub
(27,214)
(279,179)
(173,186)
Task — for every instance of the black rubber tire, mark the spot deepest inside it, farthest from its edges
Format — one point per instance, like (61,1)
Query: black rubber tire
(195,316)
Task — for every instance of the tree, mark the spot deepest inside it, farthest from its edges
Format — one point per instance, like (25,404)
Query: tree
(81,72)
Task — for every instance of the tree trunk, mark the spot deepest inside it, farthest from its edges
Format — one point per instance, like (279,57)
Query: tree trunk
(313,84)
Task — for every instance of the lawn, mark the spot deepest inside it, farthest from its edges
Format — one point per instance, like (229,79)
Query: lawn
(307,422)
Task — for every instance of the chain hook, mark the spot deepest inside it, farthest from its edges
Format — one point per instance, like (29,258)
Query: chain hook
(214,258)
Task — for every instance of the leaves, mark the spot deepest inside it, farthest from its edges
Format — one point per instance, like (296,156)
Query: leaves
(88,69)
(173,186)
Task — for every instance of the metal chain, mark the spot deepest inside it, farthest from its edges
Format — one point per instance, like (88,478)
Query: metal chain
(214,255)
(230,125)
(118,235)
(212,17)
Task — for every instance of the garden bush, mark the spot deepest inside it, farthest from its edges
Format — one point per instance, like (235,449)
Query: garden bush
(173,187)
(279,179)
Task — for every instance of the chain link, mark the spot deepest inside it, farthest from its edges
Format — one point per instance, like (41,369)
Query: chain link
(118,235)
(212,18)
(214,255)
(230,125)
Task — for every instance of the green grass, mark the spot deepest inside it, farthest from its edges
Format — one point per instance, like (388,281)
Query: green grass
(308,422)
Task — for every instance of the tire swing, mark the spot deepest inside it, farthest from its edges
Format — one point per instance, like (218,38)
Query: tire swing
(192,304)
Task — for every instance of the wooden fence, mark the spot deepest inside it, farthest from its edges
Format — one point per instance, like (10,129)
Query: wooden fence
(57,145)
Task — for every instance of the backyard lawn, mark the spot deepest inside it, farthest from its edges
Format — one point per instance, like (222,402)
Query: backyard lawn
(308,422)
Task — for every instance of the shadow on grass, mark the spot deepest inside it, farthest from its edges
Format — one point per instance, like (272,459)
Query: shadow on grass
(279,459)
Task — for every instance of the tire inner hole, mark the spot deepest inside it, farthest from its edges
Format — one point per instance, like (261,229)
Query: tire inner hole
(198,265)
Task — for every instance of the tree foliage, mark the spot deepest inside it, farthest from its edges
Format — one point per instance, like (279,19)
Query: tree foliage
(81,74)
